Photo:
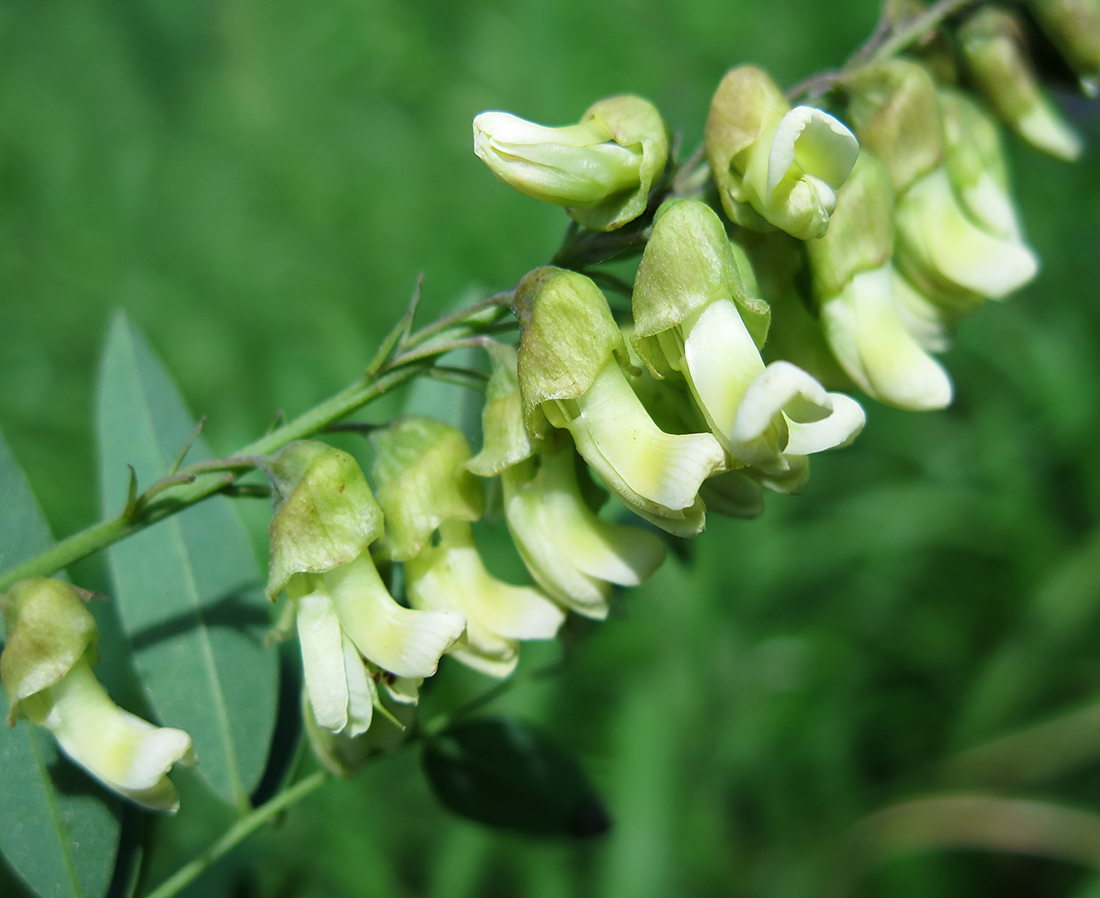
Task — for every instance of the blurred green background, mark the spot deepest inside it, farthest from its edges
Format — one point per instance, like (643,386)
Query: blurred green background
(259,184)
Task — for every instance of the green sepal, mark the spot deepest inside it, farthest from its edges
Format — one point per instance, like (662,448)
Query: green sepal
(420,474)
(633,123)
(48,630)
(506,441)
(861,231)
(567,335)
(325,513)
(688,263)
(896,116)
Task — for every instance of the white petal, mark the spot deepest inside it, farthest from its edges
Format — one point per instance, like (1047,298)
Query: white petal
(406,642)
(937,234)
(867,337)
(323,660)
(814,141)
(927,322)
(843,425)
(640,463)
(128,754)
(722,363)
(572,553)
(361,690)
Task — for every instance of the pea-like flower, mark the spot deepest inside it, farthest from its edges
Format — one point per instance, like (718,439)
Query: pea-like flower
(571,355)
(689,304)
(573,554)
(46,668)
(326,518)
(952,245)
(879,328)
(601,169)
(430,498)
(786,164)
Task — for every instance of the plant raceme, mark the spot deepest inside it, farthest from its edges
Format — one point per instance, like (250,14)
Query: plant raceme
(816,252)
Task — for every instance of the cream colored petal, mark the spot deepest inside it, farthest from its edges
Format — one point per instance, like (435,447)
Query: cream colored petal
(569,550)
(928,323)
(640,463)
(842,425)
(127,754)
(361,690)
(572,166)
(867,337)
(814,141)
(722,363)
(1045,128)
(406,642)
(322,647)
(935,232)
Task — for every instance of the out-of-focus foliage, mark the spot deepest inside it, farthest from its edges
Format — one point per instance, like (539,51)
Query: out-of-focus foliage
(258,185)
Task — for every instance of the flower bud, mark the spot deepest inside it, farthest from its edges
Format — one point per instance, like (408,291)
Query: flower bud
(326,517)
(690,324)
(992,42)
(1074,28)
(600,169)
(47,673)
(570,377)
(785,163)
(896,115)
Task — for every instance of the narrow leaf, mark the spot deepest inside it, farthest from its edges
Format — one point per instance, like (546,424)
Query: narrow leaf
(59,830)
(505,774)
(188,589)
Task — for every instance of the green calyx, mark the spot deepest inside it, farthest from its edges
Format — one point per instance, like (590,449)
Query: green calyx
(325,514)
(48,630)
(896,116)
(419,470)
(861,235)
(506,441)
(567,335)
(688,263)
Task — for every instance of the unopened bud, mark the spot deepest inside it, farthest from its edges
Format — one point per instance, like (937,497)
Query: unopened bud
(992,41)
(600,169)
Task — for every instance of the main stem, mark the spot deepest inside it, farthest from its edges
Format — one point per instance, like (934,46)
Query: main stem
(176,498)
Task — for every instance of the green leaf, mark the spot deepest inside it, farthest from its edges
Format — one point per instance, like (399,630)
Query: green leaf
(505,774)
(188,589)
(59,830)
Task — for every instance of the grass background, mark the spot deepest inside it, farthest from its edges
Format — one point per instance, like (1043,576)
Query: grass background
(259,184)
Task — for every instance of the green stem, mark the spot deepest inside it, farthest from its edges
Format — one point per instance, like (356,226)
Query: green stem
(176,498)
(921,25)
(237,833)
